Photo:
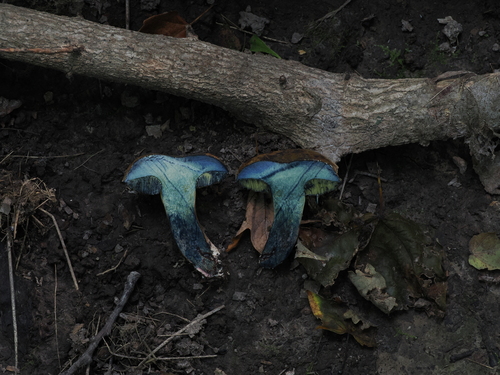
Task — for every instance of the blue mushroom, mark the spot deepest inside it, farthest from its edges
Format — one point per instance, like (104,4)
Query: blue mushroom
(288,176)
(176,180)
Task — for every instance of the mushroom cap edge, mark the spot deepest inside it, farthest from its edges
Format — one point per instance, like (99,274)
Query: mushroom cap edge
(211,171)
(323,184)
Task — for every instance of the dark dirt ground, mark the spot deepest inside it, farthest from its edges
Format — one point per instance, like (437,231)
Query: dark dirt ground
(78,136)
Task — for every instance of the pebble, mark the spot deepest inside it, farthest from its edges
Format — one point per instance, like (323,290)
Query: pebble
(296,37)
(239,296)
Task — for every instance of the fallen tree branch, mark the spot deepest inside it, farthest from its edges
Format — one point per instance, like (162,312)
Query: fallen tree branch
(48,51)
(86,357)
(334,114)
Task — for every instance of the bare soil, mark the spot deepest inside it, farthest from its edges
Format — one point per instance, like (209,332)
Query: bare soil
(78,135)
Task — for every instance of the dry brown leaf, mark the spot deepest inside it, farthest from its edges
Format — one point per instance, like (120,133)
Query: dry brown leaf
(7,106)
(12,369)
(169,24)
(259,219)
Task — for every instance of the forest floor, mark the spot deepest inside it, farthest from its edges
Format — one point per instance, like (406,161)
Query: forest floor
(74,137)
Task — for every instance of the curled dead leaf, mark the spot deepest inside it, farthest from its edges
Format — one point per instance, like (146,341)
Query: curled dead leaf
(340,320)
(258,220)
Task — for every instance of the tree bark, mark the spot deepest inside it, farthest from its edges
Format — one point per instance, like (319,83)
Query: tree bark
(335,114)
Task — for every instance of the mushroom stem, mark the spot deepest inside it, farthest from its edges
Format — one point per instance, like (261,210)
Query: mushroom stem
(289,176)
(176,180)
(283,235)
(179,205)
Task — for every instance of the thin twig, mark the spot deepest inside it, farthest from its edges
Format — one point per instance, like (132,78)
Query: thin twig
(6,157)
(12,295)
(160,358)
(344,360)
(192,357)
(115,267)
(367,174)
(201,15)
(331,14)
(37,221)
(195,321)
(235,27)
(345,177)
(63,246)
(86,160)
(16,216)
(127,14)
(480,364)
(23,244)
(55,315)
(86,357)
(45,157)
(47,51)
(171,314)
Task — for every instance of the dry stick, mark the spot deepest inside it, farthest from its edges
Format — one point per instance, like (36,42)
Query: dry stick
(55,314)
(45,157)
(127,14)
(22,244)
(191,357)
(345,177)
(161,358)
(16,219)
(480,364)
(63,246)
(86,357)
(12,294)
(6,157)
(195,321)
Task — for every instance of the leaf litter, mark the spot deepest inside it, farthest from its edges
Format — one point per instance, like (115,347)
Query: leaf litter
(400,265)
(395,263)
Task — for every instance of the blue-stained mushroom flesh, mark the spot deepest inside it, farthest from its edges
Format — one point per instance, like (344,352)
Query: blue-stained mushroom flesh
(288,182)
(176,180)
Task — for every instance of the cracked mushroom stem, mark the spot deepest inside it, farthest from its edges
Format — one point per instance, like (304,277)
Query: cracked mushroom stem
(176,180)
(289,176)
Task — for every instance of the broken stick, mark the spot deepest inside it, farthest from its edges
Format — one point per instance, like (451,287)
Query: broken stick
(86,357)
(12,295)
(63,246)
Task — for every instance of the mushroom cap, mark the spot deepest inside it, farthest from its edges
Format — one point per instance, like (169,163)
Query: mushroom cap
(143,174)
(321,172)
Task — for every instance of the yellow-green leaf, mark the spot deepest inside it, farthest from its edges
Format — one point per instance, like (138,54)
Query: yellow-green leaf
(338,319)
(485,249)
(257,45)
